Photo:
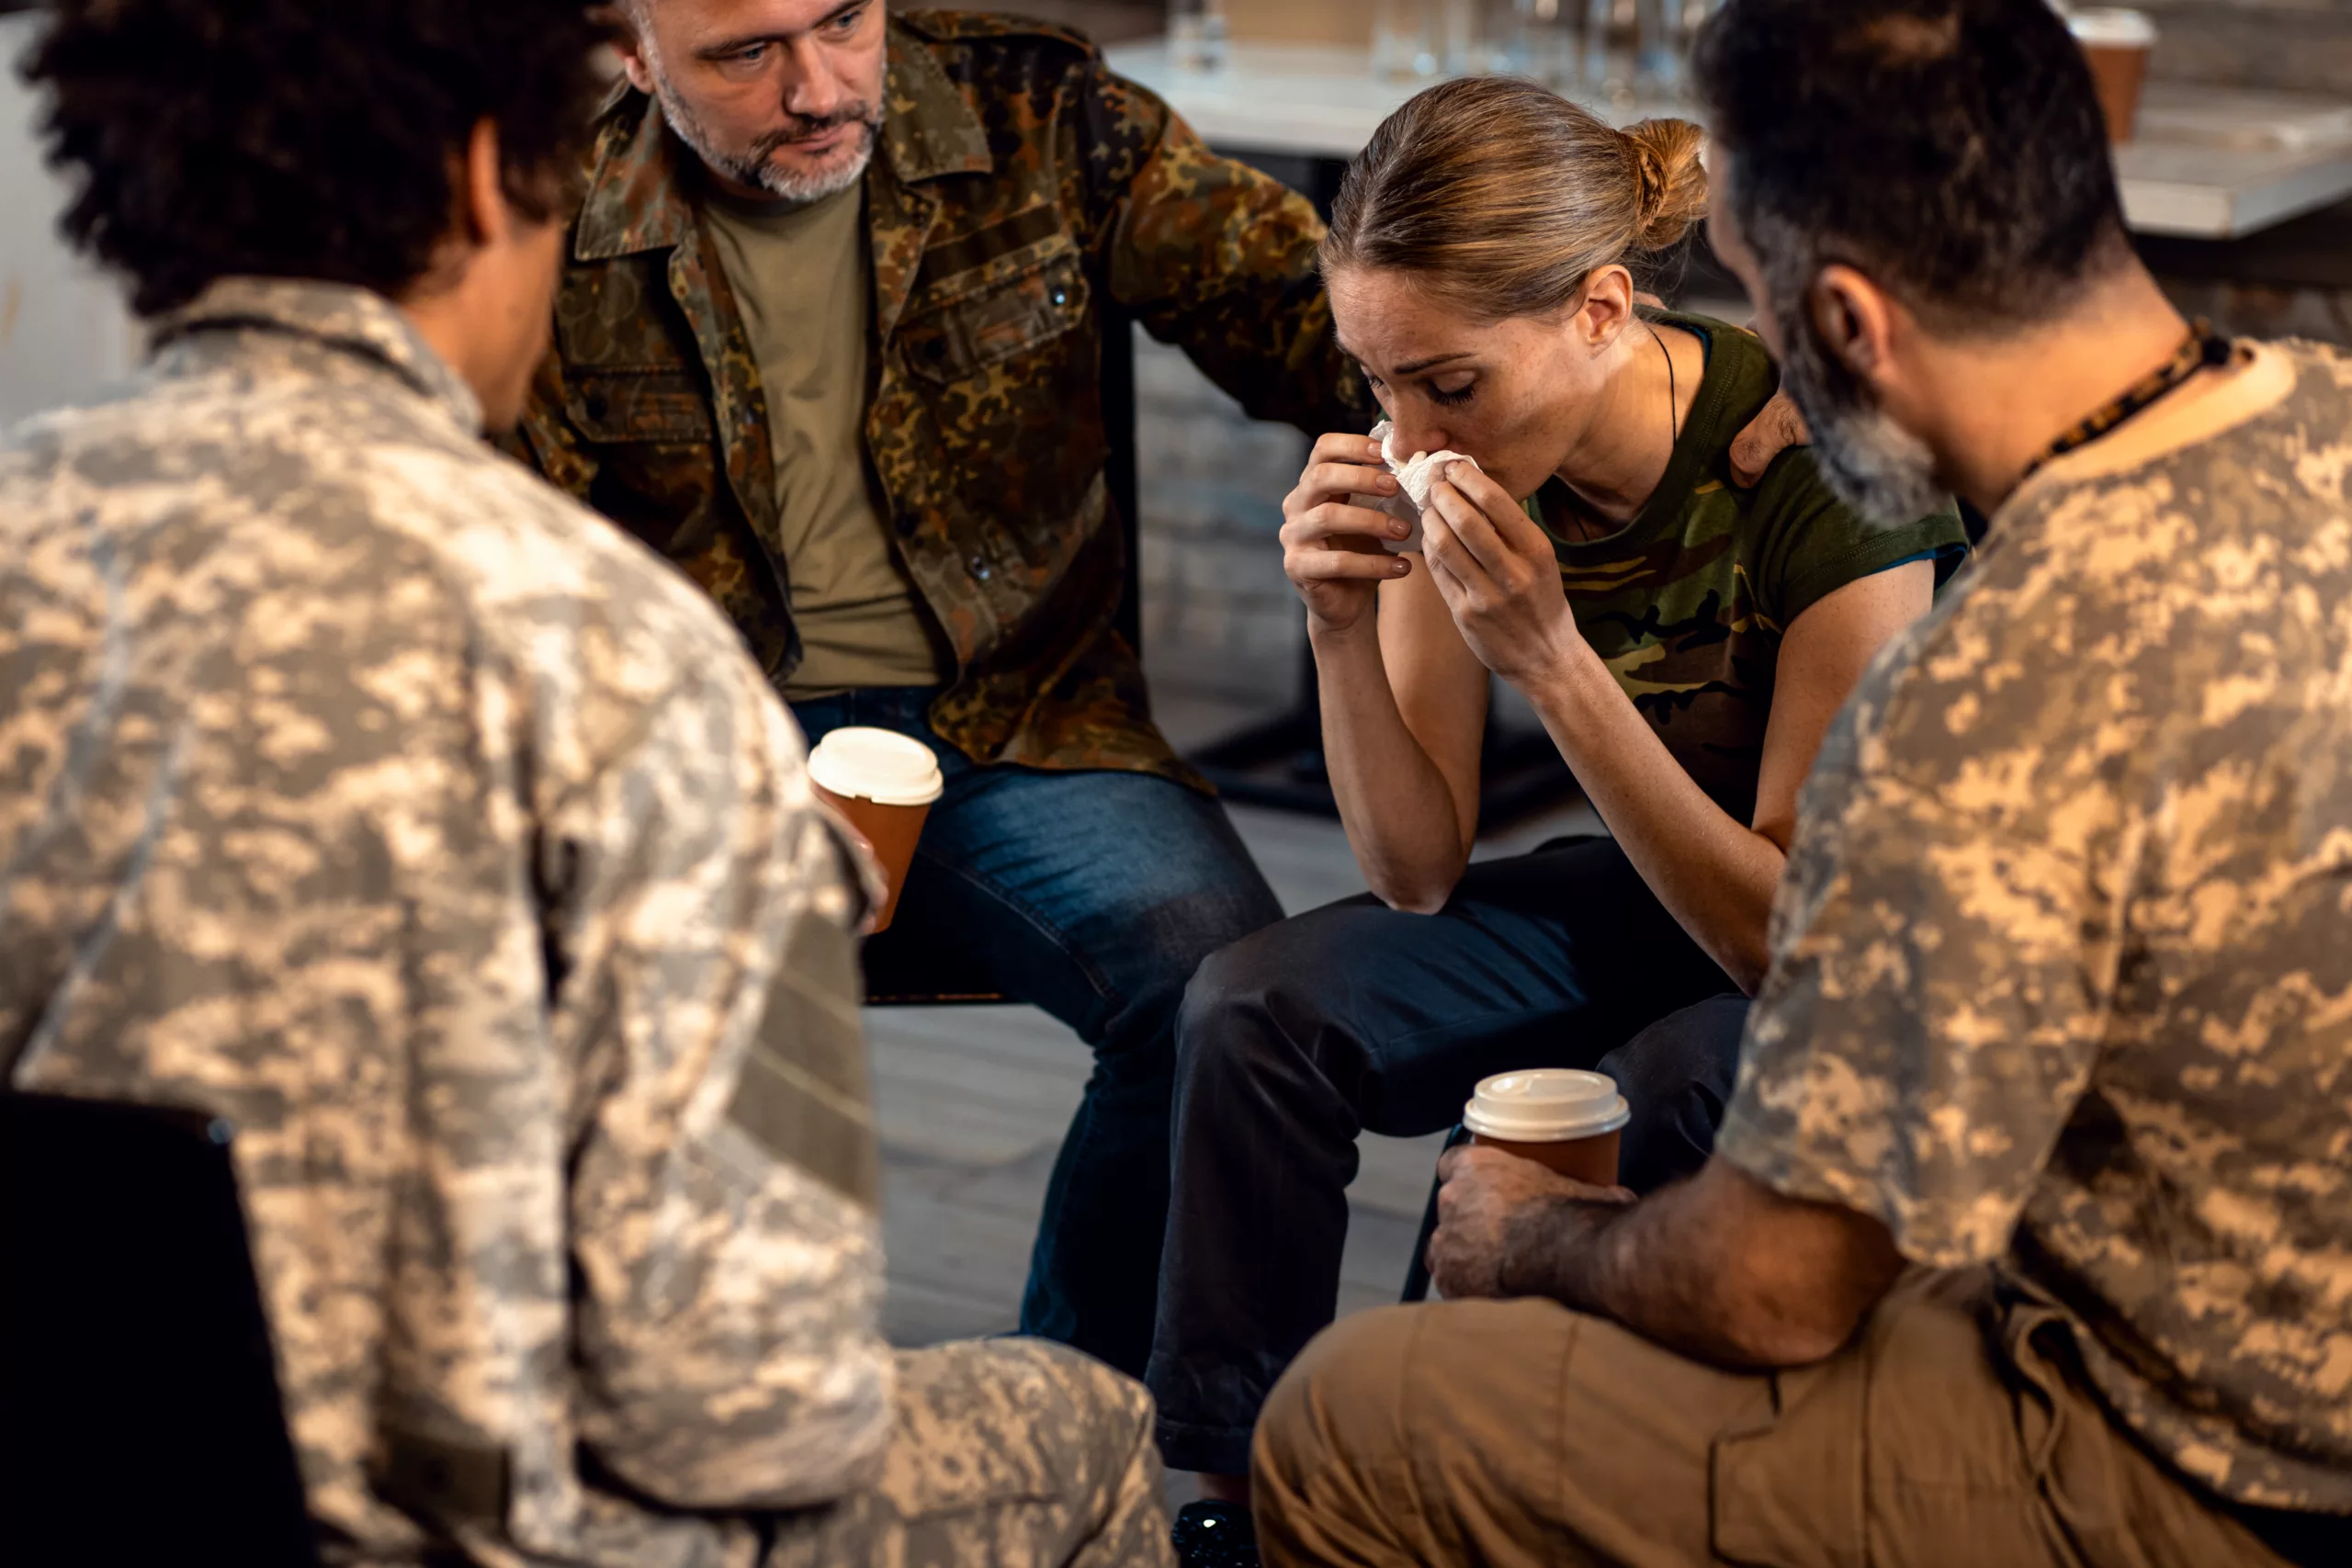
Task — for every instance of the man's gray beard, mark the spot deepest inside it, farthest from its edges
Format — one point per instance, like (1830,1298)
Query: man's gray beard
(1883,471)
(754,169)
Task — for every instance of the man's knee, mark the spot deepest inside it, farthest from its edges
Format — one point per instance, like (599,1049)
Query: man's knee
(1341,1401)
(996,1419)
(1246,1003)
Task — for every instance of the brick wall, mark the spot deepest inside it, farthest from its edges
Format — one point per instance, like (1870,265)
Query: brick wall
(1221,623)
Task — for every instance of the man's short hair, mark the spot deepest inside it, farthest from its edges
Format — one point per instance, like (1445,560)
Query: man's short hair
(1951,150)
(301,137)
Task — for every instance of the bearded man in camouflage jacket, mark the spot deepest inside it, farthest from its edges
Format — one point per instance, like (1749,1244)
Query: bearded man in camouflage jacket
(830,338)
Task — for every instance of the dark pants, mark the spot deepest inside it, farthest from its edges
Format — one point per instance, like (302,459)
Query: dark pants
(1093,896)
(1357,1017)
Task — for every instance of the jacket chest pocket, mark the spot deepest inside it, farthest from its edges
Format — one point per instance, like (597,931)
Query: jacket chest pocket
(972,320)
(612,408)
(654,440)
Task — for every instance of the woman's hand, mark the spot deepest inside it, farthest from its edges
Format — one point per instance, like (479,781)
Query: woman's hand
(1332,550)
(1500,576)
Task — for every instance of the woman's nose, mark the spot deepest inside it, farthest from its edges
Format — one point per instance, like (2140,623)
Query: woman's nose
(1420,435)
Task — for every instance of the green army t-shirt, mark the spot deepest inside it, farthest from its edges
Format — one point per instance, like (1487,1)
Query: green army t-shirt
(802,285)
(1687,604)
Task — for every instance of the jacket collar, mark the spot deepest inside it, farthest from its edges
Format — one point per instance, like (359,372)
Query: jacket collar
(636,201)
(352,320)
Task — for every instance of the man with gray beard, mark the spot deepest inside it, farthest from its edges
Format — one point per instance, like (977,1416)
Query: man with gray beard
(830,338)
(2025,1237)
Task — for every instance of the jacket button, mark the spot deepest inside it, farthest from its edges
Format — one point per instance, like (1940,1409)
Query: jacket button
(1061,296)
(980,569)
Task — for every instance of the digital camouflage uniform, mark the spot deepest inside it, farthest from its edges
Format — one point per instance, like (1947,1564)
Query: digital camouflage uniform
(2062,974)
(365,791)
(1020,191)
(2062,993)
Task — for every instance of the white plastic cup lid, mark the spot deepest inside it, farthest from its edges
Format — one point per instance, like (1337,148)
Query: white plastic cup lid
(2112,28)
(879,765)
(1546,1105)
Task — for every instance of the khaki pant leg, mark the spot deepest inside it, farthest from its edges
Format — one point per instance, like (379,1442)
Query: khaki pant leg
(1510,1433)
(1009,1451)
(1963,1447)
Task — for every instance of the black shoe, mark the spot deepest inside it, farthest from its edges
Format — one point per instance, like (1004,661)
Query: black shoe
(1215,1535)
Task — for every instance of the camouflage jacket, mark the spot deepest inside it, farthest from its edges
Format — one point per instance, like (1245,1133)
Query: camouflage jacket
(2063,963)
(369,793)
(1020,191)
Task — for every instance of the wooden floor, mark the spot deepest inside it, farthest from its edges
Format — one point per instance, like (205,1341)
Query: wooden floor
(974,1102)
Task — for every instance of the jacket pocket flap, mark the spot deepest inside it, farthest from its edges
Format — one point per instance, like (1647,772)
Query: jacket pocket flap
(655,406)
(1017,310)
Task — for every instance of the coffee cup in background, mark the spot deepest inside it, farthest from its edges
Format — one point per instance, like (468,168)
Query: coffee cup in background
(2116,42)
(1562,1118)
(885,783)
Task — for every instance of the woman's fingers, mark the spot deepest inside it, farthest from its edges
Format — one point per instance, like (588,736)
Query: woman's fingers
(1345,565)
(1470,527)
(1340,448)
(1336,525)
(1337,481)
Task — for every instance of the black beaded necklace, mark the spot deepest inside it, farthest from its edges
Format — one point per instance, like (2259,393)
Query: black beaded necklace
(2202,349)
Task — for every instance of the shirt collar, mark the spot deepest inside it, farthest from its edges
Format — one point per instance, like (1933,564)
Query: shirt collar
(342,316)
(636,202)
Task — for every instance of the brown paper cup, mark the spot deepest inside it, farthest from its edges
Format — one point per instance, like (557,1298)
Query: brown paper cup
(2119,72)
(891,832)
(1590,1160)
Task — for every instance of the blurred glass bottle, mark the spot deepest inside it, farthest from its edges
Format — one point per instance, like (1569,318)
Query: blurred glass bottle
(1612,41)
(1406,41)
(1198,37)
(1550,30)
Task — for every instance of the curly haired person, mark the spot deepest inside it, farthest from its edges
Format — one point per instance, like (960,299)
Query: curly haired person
(365,790)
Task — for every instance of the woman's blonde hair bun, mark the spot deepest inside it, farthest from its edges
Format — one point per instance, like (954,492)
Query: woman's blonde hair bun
(1670,180)
(1504,199)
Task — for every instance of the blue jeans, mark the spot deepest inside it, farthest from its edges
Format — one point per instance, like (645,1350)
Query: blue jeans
(1093,896)
(1357,1017)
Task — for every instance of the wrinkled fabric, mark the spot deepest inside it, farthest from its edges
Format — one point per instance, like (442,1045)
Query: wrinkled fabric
(2063,963)
(359,788)
(1007,1453)
(1020,191)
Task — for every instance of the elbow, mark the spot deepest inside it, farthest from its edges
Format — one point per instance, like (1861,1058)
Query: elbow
(1792,1338)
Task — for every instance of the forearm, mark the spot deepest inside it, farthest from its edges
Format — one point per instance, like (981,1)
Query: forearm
(1719,1267)
(1401,817)
(1714,875)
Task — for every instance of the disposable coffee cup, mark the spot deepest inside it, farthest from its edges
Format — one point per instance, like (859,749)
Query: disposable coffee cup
(2117,43)
(1559,1117)
(884,782)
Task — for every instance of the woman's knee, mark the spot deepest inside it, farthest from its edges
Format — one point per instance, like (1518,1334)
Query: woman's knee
(1678,1075)
(1262,997)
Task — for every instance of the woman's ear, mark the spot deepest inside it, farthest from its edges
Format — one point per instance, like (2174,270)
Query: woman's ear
(1608,307)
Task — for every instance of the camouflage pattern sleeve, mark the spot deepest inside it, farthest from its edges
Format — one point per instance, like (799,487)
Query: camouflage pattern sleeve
(1218,258)
(722,1208)
(1945,945)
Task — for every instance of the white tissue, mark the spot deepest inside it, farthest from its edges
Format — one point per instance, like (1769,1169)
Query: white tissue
(1416,476)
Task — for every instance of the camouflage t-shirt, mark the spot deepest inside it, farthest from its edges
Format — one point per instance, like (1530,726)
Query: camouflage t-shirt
(2062,963)
(1687,603)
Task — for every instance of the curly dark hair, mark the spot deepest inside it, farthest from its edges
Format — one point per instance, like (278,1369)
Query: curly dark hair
(302,137)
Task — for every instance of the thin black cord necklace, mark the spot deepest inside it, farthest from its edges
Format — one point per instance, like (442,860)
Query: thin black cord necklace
(1586,520)
(1673,392)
